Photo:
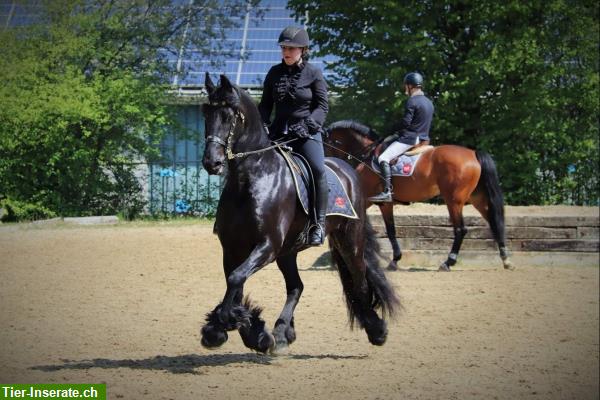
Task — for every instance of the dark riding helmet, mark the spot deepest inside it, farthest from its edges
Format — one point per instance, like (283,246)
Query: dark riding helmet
(413,79)
(293,36)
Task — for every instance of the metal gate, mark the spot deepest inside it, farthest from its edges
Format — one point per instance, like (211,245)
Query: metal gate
(179,184)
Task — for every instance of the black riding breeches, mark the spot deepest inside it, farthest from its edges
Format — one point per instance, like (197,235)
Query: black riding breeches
(312,150)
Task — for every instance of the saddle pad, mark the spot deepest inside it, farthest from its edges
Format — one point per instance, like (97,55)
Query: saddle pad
(338,203)
(402,166)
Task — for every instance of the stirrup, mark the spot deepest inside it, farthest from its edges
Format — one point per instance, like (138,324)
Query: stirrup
(383,197)
(312,238)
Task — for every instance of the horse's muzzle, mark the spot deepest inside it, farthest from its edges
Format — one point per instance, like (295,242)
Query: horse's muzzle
(213,160)
(214,167)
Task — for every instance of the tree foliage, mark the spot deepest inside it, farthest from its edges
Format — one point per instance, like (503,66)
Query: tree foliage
(518,79)
(84,98)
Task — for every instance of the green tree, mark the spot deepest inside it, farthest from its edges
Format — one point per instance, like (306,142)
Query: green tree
(518,79)
(85,96)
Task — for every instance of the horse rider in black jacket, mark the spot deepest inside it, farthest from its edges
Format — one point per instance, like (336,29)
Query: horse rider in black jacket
(298,93)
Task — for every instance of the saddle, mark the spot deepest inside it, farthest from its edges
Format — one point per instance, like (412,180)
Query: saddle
(418,148)
(338,200)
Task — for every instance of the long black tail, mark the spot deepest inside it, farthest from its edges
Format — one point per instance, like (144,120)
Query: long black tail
(381,293)
(384,295)
(491,184)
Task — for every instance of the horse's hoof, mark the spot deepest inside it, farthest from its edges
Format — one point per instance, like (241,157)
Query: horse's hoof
(279,348)
(509,265)
(266,342)
(213,338)
(444,268)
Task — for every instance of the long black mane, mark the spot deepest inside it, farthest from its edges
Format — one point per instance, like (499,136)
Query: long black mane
(361,129)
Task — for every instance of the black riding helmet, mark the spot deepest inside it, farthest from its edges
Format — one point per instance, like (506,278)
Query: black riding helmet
(293,36)
(413,79)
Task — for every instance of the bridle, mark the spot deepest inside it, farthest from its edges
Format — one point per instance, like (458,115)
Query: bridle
(228,142)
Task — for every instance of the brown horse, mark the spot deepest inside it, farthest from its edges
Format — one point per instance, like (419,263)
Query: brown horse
(458,174)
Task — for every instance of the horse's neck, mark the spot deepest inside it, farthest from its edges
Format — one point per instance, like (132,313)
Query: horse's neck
(246,174)
(260,157)
(252,138)
(366,148)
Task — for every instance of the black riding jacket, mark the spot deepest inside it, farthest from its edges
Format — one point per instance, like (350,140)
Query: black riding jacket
(416,122)
(297,92)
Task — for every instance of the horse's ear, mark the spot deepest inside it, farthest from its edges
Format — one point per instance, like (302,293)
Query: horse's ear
(226,83)
(208,83)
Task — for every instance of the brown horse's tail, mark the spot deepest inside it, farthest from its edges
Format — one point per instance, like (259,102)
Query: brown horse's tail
(491,184)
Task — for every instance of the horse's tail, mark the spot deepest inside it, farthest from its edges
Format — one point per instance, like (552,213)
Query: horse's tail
(382,294)
(491,184)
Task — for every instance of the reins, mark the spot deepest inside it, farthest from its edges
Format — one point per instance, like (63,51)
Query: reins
(351,156)
(228,143)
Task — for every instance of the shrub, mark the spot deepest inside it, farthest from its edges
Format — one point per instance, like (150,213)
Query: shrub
(17,211)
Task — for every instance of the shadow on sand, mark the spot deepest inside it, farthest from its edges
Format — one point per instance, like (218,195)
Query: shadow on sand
(184,364)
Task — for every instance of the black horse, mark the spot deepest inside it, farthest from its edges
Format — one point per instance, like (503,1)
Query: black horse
(259,220)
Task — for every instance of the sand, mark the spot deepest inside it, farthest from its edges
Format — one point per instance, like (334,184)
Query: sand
(123,305)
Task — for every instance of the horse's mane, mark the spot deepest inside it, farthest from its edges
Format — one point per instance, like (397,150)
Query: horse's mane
(361,129)
(248,103)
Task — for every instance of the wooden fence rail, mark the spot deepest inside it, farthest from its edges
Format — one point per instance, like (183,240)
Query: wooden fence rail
(534,239)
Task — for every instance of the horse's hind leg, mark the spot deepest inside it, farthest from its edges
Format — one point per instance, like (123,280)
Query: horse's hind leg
(254,334)
(284,331)
(348,256)
(387,213)
(456,217)
(480,202)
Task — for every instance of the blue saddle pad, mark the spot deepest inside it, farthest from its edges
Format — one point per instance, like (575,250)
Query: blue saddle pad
(404,166)
(339,202)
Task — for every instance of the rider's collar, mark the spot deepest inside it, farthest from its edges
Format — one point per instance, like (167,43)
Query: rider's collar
(297,66)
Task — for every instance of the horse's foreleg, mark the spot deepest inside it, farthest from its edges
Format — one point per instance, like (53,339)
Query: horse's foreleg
(460,231)
(387,212)
(230,314)
(261,255)
(214,332)
(284,331)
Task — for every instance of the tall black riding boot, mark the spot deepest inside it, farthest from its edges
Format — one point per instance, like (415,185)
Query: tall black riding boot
(386,195)
(316,235)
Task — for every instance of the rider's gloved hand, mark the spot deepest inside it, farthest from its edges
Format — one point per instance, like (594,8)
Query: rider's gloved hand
(313,127)
(299,129)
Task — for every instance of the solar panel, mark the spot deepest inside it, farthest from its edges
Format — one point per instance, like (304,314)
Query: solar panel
(256,49)
(253,44)
(18,13)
